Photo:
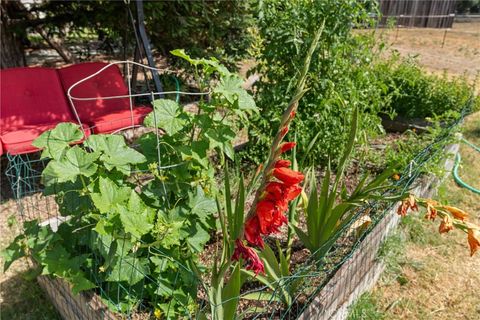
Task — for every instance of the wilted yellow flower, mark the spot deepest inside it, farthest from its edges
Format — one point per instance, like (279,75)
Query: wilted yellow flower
(457,213)
(431,212)
(446,225)
(408,203)
(396,177)
(473,240)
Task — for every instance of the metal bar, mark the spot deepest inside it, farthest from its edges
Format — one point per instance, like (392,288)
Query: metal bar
(146,44)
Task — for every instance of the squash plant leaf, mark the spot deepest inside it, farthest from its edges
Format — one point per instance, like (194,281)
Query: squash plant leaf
(114,152)
(129,269)
(80,283)
(222,137)
(136,218)
(201,206)
(166,116)
(76,163)
(230,88)
(109,195)
(197,238)
(54,142)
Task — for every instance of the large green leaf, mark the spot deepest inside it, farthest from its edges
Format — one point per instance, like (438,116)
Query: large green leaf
(129,269)
(137,218)
(197,238)
(54,142)
(13,252)
(222,137)
(230,294)
(109,195)
(201,206)
(165,115)
(76,162)
(196,152)
(230,88)
(114,152)
(80,283)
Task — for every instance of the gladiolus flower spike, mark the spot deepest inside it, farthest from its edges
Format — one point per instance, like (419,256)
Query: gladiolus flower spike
(452,217)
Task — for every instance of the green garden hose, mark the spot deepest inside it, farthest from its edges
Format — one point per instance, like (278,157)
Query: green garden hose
(458,159)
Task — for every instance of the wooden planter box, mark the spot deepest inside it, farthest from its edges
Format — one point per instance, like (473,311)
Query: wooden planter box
(357,275)
(74,307)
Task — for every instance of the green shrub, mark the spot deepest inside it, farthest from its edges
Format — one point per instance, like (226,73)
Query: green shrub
(340,78)
(413,93)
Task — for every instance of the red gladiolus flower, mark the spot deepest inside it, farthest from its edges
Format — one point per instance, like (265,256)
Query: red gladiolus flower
(282,163)
(251,258)
(286,146)
(265,212)
(292,114)
(275,191)
(252,232)
(292,192)
(284,131)
(288,176)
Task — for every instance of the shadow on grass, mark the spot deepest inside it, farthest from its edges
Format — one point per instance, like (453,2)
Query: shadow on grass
(24,300)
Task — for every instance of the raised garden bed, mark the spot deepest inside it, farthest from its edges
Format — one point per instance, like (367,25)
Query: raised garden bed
(356,275)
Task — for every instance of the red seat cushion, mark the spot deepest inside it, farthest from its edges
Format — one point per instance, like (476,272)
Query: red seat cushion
(107,83)
(20,141)
(120,119)
(31,96)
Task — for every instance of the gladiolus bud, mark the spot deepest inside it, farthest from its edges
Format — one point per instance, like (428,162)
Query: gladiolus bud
(284,131)
(286,146)
(282,163)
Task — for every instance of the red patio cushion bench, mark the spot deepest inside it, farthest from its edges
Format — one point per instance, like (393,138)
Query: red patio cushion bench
(34,100)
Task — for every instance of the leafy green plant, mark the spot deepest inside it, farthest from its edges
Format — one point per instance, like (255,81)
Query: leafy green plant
(412,93)
(278,278)
(132,219)
(340,78)
(325,217)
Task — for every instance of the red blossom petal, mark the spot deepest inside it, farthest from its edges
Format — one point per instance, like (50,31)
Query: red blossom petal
(282,163)
(265,212)
(275,190)
(292,192)
(286,146)
(284,131)
(287,176)
(252,232)
(251,258)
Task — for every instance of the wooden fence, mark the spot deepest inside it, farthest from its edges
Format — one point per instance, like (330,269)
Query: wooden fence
(418,13)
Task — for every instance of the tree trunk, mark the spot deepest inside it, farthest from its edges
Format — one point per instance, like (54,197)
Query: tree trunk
(11,54)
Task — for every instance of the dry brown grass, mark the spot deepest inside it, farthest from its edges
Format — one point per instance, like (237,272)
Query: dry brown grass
(459,55)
